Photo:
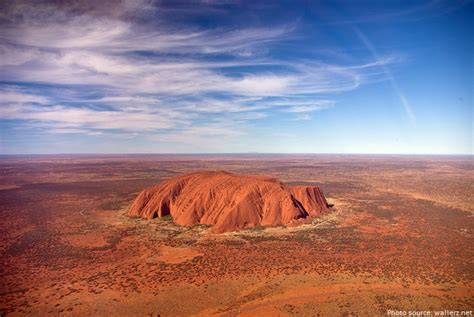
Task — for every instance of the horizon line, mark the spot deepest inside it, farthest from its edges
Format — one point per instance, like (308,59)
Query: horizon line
(233,153)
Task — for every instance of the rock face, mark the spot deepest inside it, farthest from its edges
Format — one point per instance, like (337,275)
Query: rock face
(229,202)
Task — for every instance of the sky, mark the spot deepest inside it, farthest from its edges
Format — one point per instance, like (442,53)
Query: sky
(147,76)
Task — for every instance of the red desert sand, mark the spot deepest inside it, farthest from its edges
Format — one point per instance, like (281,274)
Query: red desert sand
(229,202)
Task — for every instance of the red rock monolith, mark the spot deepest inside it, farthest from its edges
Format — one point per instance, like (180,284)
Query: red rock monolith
(229,202)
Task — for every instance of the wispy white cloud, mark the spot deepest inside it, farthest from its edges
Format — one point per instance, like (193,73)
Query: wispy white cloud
(147,76)
(306,108)
(55,27)
(12,96)
(87,118)
(302,117)
(24,106)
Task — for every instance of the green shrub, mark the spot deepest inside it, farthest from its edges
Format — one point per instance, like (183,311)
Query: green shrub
(167,218)
(257,228)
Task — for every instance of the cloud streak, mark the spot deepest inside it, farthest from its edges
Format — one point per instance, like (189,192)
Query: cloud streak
(403,100)
(133,74)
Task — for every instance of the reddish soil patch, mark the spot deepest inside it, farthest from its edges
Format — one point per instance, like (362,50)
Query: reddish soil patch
(173,255)
(86,240)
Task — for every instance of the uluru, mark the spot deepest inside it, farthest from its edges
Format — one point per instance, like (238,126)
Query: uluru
(229,202)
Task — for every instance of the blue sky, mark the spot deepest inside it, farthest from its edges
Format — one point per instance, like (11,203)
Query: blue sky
(225,76)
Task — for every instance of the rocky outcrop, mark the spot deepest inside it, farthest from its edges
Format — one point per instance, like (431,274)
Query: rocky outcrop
(229,202)
(311,197)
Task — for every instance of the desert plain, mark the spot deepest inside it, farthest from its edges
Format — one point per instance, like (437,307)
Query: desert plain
(399,237)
